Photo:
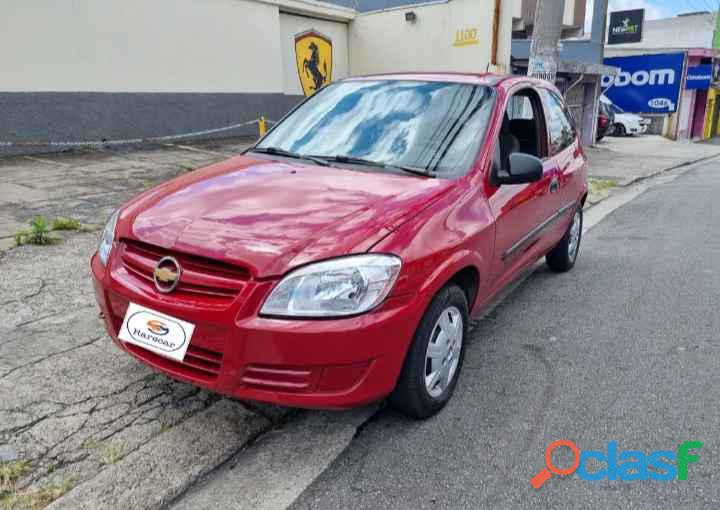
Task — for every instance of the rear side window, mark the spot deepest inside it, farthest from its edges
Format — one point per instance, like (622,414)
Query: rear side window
(560,127)
(520,107)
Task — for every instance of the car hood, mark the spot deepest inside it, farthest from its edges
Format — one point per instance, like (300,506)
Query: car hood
(270,216)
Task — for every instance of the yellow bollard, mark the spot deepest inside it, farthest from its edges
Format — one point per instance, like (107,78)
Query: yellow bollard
(262,126)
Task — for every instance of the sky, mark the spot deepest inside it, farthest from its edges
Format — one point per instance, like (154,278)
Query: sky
(656,9)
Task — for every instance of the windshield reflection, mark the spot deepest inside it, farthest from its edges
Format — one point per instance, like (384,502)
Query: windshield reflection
(433,126)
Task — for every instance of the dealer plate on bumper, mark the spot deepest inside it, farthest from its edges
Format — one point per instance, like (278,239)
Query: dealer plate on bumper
(156,332)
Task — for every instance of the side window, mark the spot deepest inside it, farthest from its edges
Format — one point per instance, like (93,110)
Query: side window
(560,128)
(520,107)
(523,128)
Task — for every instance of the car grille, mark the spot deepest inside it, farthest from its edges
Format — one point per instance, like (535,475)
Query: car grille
(212,282)
(198,364)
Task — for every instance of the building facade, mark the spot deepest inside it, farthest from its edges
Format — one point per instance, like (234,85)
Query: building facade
(692,35)
(84,70)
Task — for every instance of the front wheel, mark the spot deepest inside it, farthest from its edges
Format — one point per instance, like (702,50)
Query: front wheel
(432,365)
(563,256)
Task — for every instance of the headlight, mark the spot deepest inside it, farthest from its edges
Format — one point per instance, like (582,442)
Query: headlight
(108,236)
(335,288)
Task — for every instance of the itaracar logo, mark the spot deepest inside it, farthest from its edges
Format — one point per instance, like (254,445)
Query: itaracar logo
(159,332)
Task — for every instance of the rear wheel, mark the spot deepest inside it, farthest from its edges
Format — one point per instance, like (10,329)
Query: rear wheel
(563,256)
(432,365)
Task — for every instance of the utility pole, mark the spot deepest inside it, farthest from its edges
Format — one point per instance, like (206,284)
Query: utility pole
(547,29)
(599,24)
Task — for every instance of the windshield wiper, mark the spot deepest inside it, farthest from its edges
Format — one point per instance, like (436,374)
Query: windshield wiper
(367,162)
(277,151)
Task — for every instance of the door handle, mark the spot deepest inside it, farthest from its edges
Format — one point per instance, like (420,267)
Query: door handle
(554,185)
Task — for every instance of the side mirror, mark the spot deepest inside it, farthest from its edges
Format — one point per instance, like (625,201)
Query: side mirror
(524,168)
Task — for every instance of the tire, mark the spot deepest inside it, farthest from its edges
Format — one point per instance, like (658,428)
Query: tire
(412,396)
(620,130)
(563,256)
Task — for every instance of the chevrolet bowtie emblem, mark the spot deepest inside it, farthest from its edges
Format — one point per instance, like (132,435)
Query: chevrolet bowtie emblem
(167,274)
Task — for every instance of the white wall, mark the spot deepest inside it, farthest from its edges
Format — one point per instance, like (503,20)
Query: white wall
(139,46)
(290,26)
(569,13)
(385,42)
(666,34)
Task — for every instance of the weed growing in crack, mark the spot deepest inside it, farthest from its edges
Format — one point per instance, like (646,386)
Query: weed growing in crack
(92,443)
(39,233)
(112,454)
(34,499)
(10,473)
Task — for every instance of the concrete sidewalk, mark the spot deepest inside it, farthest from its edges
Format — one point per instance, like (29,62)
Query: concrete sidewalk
(88,186)
(628,159)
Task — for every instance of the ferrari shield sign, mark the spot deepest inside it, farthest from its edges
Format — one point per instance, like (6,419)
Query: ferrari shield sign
(313,54)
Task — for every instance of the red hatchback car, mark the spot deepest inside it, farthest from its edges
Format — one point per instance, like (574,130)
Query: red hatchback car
(339,260)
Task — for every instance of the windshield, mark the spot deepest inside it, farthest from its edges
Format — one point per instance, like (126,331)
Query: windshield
(431,126)
(616,109)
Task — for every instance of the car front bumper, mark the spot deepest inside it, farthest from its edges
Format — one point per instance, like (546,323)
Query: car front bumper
(334,363)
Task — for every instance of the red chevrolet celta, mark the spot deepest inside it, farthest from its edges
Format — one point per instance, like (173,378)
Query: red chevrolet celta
(339,260)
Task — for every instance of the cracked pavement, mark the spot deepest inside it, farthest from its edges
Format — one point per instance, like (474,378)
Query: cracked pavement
(73,405)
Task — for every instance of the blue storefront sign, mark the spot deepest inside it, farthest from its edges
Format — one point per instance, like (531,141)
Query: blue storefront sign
(699,77)
(645,83)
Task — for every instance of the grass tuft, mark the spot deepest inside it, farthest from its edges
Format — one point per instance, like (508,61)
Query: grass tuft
(599,185)
(66,224)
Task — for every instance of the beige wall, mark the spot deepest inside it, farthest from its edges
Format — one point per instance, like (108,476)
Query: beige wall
(290,26)
(385,42)
(140,46)
(226,46)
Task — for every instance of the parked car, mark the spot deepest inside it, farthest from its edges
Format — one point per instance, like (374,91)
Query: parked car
(340,259)
(625,123)
(606,119)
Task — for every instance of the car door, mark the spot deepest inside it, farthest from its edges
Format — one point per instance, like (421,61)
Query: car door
(568,158)
(520,209)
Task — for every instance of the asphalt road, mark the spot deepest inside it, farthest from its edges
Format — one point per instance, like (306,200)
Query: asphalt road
(624,348)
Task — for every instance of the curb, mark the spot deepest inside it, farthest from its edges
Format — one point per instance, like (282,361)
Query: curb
(163,469)
(642,178)
(670,169)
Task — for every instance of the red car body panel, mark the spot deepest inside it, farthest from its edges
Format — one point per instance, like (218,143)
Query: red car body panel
(238,226)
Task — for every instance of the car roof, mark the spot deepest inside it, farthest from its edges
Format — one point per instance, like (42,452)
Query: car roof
(487,79)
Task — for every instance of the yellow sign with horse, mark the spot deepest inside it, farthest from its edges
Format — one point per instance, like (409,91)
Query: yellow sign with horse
(313,54)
